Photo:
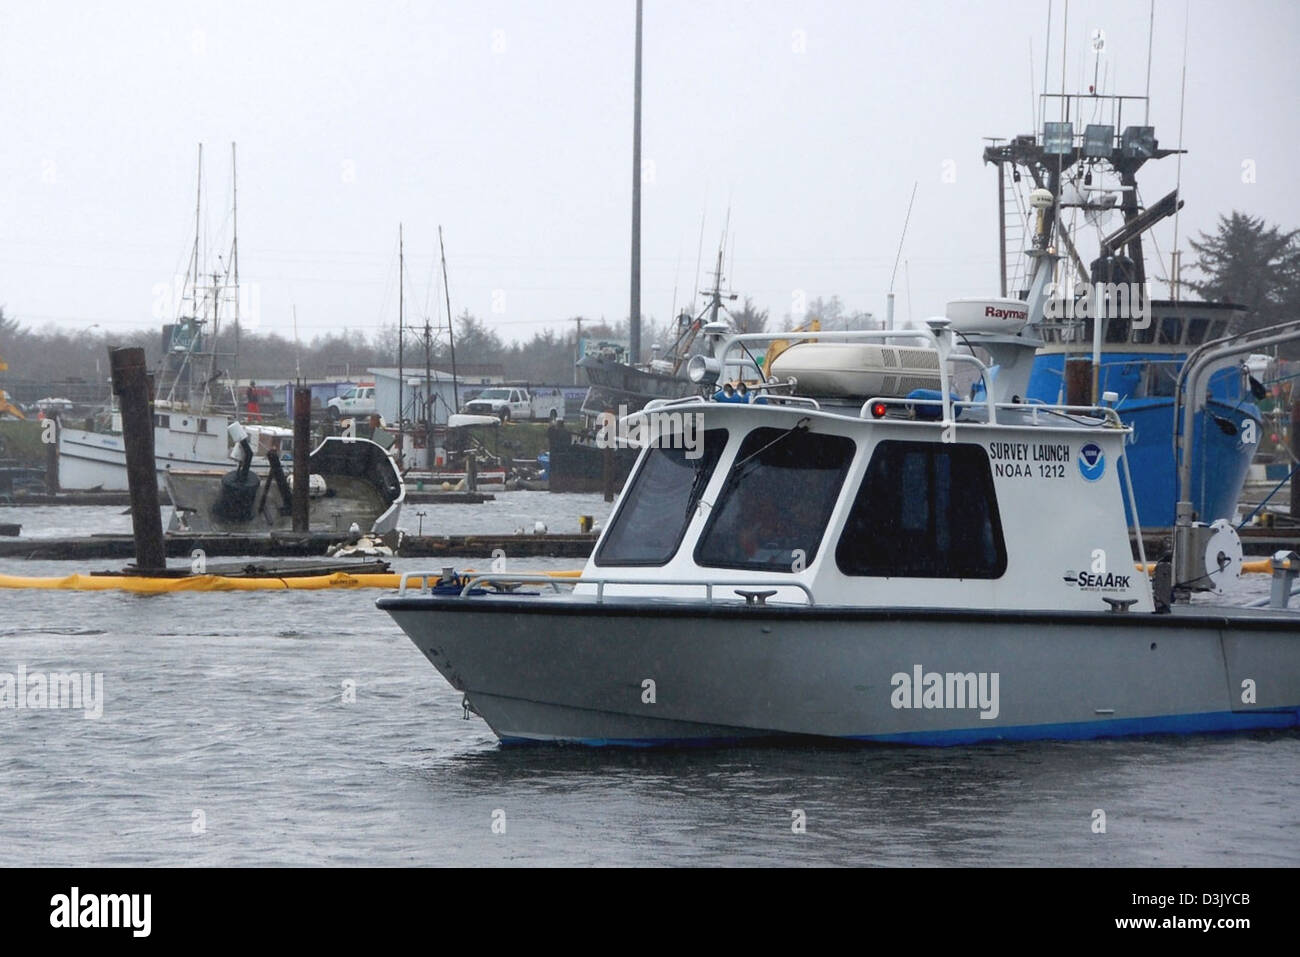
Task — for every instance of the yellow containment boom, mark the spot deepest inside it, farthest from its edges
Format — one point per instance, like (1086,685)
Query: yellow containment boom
(143,585)
(158,586)
(1255,566)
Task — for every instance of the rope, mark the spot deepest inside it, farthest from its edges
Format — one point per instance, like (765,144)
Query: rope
(1268,496)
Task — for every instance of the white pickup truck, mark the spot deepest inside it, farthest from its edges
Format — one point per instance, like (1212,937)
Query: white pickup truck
(515,402)
(359,400)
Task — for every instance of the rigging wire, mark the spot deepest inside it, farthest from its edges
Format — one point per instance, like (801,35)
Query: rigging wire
(1178,181)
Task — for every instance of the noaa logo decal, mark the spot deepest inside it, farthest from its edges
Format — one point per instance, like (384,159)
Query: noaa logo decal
(1092,462)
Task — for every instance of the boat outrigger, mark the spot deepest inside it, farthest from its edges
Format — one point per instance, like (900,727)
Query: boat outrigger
(847,550)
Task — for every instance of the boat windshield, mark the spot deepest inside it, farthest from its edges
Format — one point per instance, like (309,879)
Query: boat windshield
(774,508)
(660,500)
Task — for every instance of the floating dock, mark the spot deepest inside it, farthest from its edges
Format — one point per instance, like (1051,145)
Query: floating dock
(123,499)
(291,545)
(1254,541)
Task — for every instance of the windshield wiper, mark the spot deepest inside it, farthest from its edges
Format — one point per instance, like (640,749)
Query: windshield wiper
(800,426)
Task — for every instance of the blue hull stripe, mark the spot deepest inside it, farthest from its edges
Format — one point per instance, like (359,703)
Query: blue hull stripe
(1209,722)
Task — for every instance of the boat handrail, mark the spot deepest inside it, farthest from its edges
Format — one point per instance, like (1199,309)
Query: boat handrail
(984,377)
(792,400)
(1189,398)
(707,584)
(1101,412)
(1095,411)
(903,400)
(656,404)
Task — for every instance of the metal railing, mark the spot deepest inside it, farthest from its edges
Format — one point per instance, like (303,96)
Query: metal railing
(544,579)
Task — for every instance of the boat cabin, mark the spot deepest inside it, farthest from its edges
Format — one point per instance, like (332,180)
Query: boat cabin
(1139,362)
(875,501)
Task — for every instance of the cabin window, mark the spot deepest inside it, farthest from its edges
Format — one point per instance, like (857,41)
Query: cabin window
(162,421)
(772,512)
(1117,328)
(1171,331)
(661,500)
(924,510)
(1161,379)
(1144,336)
(1196,329)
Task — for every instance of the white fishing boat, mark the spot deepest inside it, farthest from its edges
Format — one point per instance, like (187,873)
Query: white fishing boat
(183,438)
(904,566)
(194,409)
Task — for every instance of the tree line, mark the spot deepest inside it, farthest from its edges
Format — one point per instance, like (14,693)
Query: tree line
(1246,261)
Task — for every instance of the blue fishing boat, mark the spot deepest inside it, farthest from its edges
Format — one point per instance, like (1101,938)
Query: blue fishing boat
(1143,370)
(1105,332)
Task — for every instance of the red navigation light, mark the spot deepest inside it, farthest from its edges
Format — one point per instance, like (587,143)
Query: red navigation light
(878,409)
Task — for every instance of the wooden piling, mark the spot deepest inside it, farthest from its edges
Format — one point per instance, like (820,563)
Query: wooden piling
(301,451)
(52,456)
(1078,381)
(134,393)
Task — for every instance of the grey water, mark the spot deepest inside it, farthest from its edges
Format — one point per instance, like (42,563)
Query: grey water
(303,728)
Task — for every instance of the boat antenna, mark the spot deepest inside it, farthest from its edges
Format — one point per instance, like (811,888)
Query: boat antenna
(889,299)
(1151,32)
(451,332)
(1033,93)
(1175,279)
(1047,65)
(1065,39)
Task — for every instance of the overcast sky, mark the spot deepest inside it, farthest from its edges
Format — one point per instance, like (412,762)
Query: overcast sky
(509,123)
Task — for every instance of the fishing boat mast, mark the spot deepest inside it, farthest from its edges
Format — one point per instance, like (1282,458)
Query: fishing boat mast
(451,330)
(234,262)
(401,312)
(634,313)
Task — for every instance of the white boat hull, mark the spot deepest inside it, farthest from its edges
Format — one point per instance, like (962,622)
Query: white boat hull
(89,460)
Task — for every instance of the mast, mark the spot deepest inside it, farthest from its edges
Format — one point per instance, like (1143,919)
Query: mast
(451,333)
(185,369)
(198,206)
(401,313)
(428,385)
(716,306)
(234,262)
(634,339)
(1002,232)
